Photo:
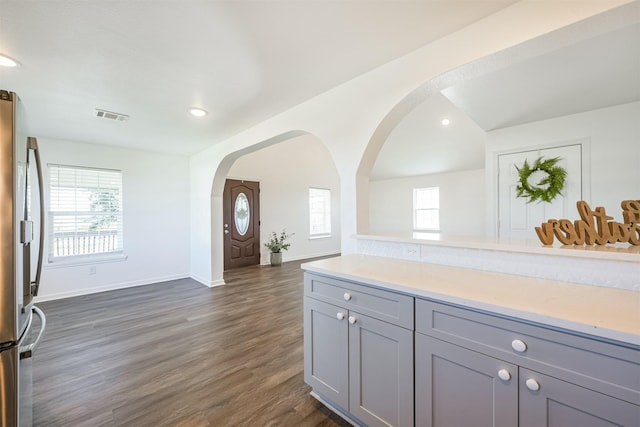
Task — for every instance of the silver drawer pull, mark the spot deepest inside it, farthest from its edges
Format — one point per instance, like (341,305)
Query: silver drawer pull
(519,346)
(532,384)
(504,375)
(340,315)
(347,296)
(352,319)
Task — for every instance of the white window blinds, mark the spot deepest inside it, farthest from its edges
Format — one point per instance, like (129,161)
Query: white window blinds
(319,212)
(85,211)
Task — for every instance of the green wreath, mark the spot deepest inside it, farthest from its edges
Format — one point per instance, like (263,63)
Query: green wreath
(547,188)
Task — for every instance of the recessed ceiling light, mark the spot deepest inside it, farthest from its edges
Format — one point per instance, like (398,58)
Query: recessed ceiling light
(198,112)
(6,61)
(445,122)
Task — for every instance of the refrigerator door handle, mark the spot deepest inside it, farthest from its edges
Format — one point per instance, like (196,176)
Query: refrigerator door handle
(26,351)
(32,144)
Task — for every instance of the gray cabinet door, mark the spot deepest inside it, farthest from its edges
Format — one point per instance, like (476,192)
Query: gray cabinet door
(558,403)
(326,350)
(459,387)
(380,372)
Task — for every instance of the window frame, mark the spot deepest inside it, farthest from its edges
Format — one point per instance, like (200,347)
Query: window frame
(433,208)
(116,250)
(326,212)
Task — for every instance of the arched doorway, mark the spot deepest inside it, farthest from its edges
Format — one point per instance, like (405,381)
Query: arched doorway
(285,167)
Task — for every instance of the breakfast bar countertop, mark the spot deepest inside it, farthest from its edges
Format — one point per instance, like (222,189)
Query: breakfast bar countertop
(603,312)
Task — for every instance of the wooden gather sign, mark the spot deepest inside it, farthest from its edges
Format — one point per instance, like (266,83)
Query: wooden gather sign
(594,227)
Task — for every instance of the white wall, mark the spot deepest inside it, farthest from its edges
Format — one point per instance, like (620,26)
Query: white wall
(351,119)
(613,157)
(285,172)
(461,203)
(156,220)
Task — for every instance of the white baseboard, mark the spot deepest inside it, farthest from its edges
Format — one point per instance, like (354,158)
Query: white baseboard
(151,281)
(109,287)
(208,283)
(300,257)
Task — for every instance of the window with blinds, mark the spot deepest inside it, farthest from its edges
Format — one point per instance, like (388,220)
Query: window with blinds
(319,212)
(85,211)
(426,209)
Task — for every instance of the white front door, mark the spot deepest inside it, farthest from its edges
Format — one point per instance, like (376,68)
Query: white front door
(516,217)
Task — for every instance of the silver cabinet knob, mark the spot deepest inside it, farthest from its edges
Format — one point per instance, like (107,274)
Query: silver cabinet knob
(226,231)
(340,315)
(352,319)
(519,346)
(504,375)
(532,384)
(347,296)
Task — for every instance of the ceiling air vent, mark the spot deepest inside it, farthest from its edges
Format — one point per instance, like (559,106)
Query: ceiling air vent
(110,115)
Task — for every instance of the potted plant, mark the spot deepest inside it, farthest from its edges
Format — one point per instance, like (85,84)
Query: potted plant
(276,245)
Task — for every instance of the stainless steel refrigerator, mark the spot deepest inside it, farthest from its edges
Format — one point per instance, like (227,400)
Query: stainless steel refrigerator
(21,248)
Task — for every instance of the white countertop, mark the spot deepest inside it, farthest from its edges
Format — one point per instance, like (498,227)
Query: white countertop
(612,314)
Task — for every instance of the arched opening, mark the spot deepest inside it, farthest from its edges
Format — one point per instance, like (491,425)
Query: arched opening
(551,91)
(286,166)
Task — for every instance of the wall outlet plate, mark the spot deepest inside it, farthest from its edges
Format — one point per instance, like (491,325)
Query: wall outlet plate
(411,251)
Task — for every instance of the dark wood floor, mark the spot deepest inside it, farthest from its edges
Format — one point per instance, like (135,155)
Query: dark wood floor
(179,354)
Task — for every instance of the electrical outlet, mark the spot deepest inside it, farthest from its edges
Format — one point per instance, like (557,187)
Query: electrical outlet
(411,251)
(92,270)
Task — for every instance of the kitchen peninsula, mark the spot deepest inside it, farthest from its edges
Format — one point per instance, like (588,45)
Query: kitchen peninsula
(525,350)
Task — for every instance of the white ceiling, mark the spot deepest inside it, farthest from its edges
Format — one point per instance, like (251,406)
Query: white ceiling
(600,72)
(243,61)
(421,145)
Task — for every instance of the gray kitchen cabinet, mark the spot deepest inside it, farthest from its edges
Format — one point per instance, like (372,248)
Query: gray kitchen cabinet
(358,356)
(380,372)
(459,387)
(466,360)
(326,350)
(558,403)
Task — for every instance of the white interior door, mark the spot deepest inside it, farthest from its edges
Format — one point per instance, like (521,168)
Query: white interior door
(516,217)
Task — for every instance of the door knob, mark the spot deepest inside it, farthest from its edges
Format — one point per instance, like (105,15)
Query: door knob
(532,384)
(519,346)
(504,375)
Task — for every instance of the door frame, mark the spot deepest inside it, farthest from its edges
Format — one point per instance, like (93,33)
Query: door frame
(492,207)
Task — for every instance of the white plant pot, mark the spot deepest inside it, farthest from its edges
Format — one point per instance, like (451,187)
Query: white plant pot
(276,258)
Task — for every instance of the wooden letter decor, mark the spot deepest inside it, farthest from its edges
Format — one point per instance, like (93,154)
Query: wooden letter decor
(595,227)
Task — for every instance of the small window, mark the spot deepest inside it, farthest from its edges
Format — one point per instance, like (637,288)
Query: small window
(426,209)
(85,211)
(319,212)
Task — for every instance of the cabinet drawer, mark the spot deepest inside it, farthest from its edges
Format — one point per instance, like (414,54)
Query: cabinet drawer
(609,368)
(377,303)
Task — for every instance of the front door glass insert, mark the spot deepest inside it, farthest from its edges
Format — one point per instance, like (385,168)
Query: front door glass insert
(241,214)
